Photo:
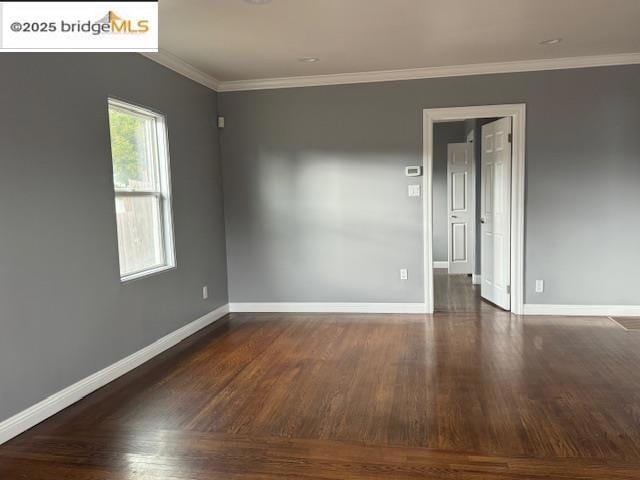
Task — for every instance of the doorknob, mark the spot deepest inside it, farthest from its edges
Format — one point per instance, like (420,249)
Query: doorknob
(453,216)
(483,220)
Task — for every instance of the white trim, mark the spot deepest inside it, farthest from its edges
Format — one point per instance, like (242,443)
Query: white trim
(58,401)
(583,310)
(476,279)
(438,264)
(183,68)
(517,112)
(431,72)
(146,273)
(282,307)
(158,145)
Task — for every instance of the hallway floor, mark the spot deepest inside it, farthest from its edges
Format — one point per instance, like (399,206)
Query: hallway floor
(457,294)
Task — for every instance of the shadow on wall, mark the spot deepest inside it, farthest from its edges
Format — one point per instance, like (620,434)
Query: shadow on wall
(320,220)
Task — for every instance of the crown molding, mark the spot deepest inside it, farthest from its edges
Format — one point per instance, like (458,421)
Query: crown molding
(431,72)
(185,69)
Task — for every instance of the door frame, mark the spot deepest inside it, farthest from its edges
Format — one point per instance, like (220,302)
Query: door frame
(517,112)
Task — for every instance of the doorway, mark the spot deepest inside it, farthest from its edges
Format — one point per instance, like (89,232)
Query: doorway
(484,201)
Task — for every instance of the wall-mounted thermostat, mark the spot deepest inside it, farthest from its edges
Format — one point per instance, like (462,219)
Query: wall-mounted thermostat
(413,171)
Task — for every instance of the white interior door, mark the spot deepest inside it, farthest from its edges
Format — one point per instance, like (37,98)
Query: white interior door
(496,212)
(461,207)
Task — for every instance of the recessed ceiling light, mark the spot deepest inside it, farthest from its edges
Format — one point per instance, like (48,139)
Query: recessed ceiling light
(258,2)
(309,59)
(551,41)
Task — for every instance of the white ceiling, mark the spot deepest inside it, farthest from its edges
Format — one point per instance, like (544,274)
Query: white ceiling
(237,40)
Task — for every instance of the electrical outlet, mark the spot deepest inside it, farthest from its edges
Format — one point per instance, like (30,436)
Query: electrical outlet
(539,286)
(404,274)
(205,292)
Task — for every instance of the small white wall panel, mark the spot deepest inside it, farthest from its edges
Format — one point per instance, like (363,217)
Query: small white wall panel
(459,247)
(459,200)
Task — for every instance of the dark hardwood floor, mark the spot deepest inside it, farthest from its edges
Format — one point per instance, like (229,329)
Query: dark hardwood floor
(629,323)
(457,294)
(483,395)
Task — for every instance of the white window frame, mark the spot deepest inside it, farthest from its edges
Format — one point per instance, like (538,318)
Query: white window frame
(162,166)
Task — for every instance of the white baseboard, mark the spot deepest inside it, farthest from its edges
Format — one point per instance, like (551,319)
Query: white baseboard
(58,401)
(328,307)
(476,279)
(583,310)
(441,265)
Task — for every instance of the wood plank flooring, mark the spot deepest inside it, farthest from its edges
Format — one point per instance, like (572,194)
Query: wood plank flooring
(629,323)
(457,294)
(483,395)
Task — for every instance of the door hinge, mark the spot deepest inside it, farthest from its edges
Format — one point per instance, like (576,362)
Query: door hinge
(511,138)
(509,289)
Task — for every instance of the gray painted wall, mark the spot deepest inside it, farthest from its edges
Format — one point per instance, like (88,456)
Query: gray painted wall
(63,312)
(443,135)
(316,198)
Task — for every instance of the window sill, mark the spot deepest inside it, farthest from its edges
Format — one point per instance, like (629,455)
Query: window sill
(146,273)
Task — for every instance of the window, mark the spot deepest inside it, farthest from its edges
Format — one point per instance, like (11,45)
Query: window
(141,181)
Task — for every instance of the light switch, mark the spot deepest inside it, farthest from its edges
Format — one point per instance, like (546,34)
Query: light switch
(414,190)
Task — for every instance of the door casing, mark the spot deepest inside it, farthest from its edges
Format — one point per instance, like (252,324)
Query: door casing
(517,112)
